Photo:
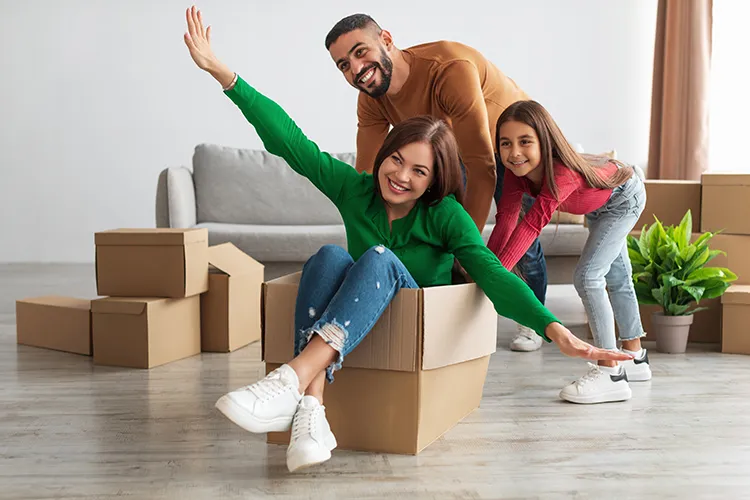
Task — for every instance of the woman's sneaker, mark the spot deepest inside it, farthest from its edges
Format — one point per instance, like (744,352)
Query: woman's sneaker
(312,440)
(526,340)
(265,406)
(601,384)
(638,368)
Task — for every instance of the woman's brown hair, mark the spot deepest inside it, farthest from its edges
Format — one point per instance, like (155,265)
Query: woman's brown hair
(554,146)
(447,168)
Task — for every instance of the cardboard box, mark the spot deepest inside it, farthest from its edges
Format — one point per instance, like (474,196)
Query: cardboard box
(669,200)
(737,258)
(726,203)
(230,310)
(417,373)
(735,337)
(145,332)
(55,322)
(164,262)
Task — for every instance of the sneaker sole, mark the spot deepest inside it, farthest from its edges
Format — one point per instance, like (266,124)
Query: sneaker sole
(608,397)
(250,422)
(295,464)
(517,348)
(638,375)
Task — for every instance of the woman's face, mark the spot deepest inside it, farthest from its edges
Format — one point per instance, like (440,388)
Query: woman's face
(405,175)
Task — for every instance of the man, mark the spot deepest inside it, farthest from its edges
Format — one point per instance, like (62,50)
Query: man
(444,79)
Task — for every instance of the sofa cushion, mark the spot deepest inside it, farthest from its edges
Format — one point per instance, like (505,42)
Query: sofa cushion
(244,186)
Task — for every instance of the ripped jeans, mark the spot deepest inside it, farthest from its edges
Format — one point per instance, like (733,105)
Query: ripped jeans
(341,300)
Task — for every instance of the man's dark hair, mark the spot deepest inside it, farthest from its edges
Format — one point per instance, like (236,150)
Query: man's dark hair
(349,24)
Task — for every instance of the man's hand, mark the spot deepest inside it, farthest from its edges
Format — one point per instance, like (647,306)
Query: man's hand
(572,346)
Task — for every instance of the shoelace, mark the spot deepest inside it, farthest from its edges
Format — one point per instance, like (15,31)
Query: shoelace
(590,376)
(304,421)
(268,388)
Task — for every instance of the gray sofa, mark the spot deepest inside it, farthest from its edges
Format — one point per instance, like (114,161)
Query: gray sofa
(256,201)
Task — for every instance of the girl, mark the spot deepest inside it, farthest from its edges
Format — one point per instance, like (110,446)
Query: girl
(541,162)
(404,225)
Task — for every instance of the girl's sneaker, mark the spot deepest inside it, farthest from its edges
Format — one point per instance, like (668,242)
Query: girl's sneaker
(601,384)
(638,369)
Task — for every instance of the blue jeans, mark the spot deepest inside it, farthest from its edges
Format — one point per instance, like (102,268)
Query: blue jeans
(532,266)
(605,265)
(341,300)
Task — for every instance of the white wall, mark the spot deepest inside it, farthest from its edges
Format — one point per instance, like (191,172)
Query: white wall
(98,96)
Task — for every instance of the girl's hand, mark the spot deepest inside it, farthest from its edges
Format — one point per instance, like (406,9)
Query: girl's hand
(198,40)
(572,346)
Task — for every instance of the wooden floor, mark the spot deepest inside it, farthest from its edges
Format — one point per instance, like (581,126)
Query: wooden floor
(69,429)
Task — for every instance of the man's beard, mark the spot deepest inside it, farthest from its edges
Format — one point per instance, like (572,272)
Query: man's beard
(386,70)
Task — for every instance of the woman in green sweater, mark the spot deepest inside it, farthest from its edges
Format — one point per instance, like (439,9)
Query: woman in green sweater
(404,225)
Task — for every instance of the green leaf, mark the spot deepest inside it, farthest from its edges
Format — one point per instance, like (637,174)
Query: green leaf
(685,230)
(644,295)
(714,253)
(706,273)
(658,294)
(696,292)
(676,310)
(715,291)
(697,309)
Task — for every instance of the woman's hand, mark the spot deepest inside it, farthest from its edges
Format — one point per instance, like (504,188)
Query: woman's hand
(572,346)
(198,41)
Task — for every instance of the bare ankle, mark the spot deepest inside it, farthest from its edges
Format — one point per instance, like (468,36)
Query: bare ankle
(633,345)
(611,364)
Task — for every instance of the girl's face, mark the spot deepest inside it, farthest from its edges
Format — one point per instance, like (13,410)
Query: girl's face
(519,147)
(405,175)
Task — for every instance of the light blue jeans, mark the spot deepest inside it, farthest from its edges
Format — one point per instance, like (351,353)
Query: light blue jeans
(605,265)
(341,300)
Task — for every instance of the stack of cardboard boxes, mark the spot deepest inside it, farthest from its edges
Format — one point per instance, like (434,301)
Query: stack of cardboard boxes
(718,202)
(166,295)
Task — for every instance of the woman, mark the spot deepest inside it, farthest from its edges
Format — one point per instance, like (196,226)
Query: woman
(404,225)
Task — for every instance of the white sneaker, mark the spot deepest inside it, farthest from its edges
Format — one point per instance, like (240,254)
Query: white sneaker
(526,340)
(601,384)
(265,406)
(312,440)
(638,369)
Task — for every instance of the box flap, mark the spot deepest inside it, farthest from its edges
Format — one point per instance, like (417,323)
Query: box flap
(460,324)
(151,236)
(231,260)
(736,294)
(59,301)
(123,305)
(725,179)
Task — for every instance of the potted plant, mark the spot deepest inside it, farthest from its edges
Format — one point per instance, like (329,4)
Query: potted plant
(670,271)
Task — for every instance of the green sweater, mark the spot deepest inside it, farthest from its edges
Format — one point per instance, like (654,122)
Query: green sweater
(425,241)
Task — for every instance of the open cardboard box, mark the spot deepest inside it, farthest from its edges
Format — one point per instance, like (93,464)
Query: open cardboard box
(230,310)
(417,373)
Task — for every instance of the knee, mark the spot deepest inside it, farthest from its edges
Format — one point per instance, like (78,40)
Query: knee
(379,255)
(585,280)
(332,253)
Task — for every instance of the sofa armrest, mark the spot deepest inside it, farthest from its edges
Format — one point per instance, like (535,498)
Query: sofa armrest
(175,198)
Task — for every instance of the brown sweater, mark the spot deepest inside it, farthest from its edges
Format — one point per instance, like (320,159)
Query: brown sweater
(455,82)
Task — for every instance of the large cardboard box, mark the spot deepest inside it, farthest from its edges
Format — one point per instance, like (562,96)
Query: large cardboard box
(163,262)
(145,332)
(55,322)
(669,200)
(417,373)
(736,317)
(726,203)
(230,310)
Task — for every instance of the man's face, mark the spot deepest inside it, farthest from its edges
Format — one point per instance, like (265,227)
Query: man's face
(362,58)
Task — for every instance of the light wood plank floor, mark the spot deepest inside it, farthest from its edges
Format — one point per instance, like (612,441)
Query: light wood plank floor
(69,429)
